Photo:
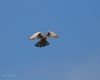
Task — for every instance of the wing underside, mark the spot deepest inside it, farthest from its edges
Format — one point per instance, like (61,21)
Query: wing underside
(37,35)
(52,34)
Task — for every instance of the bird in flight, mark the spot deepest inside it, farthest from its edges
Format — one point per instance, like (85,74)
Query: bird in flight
(43,38)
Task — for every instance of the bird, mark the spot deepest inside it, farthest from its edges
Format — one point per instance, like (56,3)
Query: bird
(42,38)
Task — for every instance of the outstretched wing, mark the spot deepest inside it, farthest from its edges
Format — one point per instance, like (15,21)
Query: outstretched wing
(52,34)
(36,35)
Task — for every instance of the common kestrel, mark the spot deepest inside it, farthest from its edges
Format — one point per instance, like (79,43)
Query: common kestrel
(42,42)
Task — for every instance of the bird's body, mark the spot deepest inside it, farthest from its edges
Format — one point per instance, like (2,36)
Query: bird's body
(43,42)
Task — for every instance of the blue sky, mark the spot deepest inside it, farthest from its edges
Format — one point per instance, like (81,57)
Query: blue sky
(74,56)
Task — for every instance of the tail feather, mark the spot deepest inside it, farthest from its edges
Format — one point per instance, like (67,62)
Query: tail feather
(42,43)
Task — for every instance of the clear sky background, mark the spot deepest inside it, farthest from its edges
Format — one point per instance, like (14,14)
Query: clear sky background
(74,56)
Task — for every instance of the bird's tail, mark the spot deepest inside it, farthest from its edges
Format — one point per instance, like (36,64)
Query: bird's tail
(42,43)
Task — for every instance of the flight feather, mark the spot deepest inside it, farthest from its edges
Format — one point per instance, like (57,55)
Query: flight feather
(36,35)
